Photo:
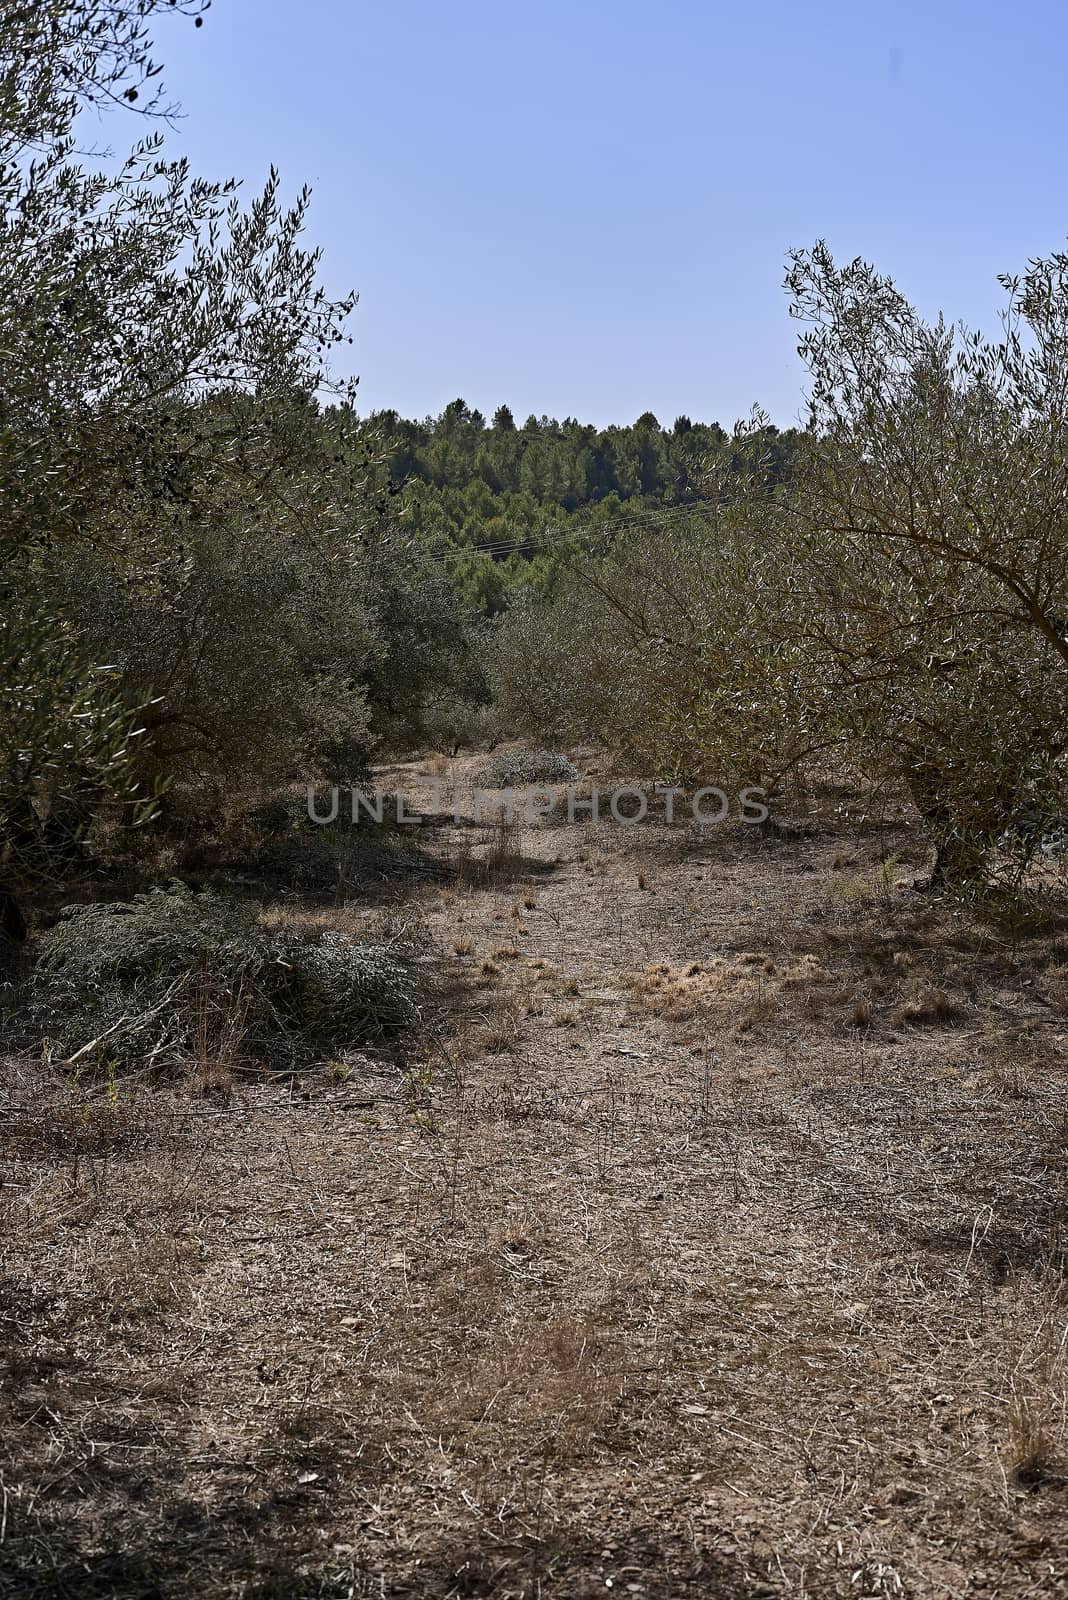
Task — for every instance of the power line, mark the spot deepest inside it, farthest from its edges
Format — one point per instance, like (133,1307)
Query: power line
(555,535)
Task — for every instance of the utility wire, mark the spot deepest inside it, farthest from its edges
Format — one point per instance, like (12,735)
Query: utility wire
(583,534)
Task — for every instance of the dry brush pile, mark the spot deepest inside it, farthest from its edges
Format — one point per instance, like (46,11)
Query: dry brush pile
(173,975)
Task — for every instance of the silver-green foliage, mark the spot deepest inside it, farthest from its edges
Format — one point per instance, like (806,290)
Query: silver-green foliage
(149,979)
(159,513)
(526,766)
(900,613)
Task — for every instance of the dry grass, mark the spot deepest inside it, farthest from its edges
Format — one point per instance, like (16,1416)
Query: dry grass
(503,1023)
(861,1013)
(930,1007)
(684,1262)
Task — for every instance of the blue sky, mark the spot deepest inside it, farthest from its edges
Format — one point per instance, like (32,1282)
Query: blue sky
(583,208)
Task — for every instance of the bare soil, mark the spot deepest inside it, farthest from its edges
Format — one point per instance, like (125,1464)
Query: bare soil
(709,1241)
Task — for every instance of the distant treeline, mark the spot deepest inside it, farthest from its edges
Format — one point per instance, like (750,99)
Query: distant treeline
(460,481)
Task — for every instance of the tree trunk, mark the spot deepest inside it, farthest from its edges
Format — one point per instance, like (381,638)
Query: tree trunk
(12,923)
(960,823)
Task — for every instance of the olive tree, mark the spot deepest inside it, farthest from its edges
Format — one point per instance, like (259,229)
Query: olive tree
(162,347)
(899,611)
(932,526)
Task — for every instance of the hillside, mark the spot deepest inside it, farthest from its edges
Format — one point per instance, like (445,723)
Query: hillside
(497,486)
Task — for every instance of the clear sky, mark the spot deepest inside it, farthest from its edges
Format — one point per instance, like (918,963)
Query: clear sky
(583,208)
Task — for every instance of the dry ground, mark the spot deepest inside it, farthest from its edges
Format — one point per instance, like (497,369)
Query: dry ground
(710,1243)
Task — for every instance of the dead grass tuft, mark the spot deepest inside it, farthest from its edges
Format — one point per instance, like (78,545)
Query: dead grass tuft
(930,1008)
(860,1015)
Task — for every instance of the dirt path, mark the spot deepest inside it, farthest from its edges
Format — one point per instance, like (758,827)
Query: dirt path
(669,1269)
